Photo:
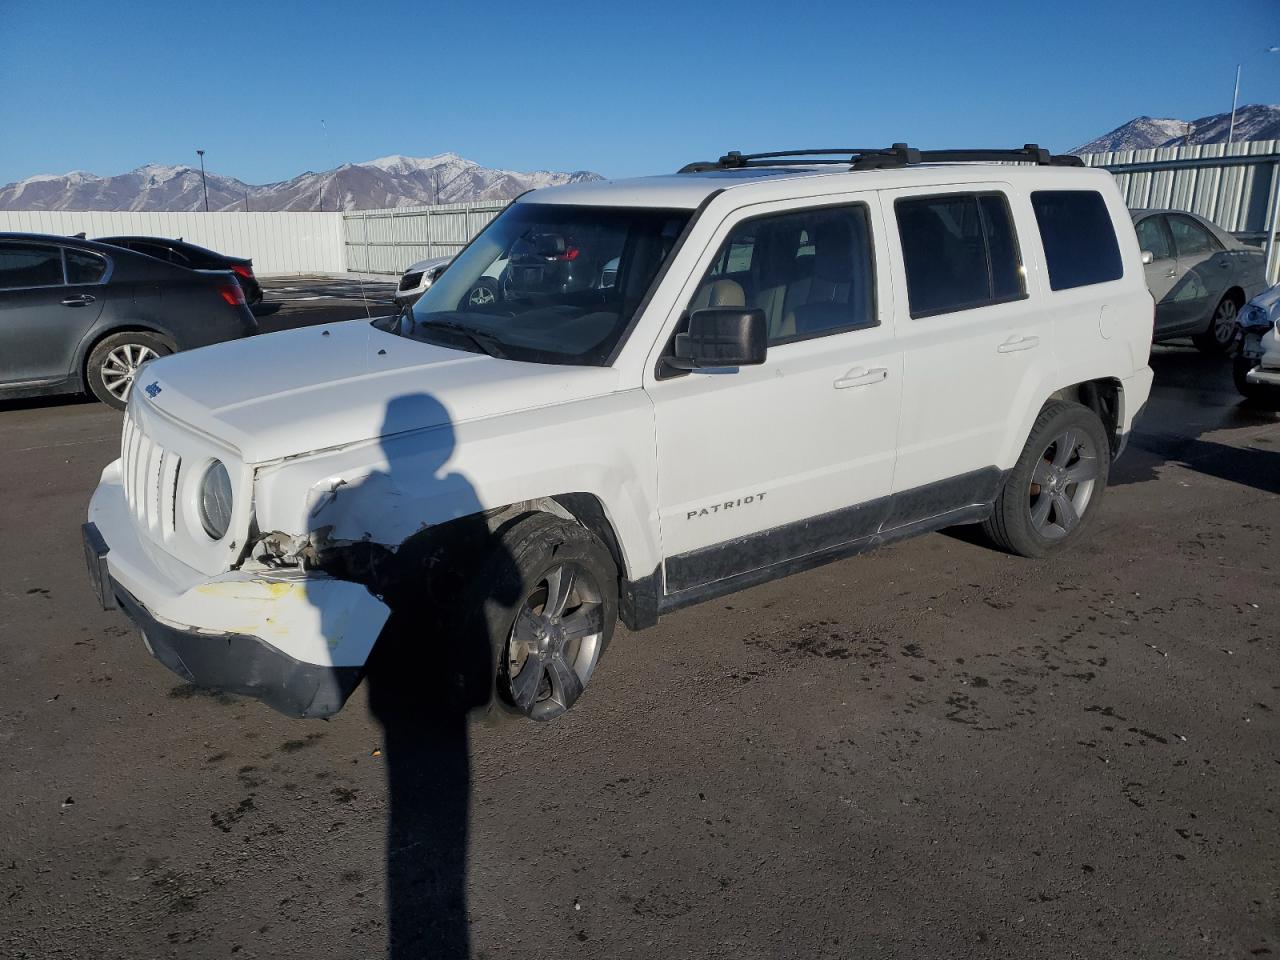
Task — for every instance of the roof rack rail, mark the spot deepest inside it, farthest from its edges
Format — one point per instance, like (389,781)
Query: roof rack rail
(879,158)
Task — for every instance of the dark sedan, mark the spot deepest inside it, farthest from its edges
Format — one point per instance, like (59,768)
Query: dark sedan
(197,258)
(77,314)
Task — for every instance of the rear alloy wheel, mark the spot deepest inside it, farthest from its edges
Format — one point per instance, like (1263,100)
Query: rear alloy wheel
(1222,328)
(113,365)
(1056,484)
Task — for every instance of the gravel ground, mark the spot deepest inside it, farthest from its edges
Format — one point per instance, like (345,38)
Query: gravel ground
(934,750)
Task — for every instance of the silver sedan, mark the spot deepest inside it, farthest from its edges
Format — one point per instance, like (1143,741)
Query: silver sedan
(1199,274)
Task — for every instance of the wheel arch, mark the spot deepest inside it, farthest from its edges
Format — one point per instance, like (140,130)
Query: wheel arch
(1105,397)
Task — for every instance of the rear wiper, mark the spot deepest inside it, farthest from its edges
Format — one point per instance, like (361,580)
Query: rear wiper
(483,341)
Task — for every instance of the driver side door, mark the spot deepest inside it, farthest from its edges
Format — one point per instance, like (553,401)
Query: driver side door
(762,469)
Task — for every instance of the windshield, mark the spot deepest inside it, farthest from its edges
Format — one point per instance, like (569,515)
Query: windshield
(548,283)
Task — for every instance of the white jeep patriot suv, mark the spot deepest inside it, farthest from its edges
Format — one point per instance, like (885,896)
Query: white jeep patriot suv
(687,385)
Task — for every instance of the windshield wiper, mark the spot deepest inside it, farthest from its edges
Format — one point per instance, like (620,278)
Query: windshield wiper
(483,341)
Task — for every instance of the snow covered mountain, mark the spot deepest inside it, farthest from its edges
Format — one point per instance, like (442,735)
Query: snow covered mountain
(1253,122)
(386,182)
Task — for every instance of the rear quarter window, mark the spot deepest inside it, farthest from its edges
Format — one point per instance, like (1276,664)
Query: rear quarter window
(1080,246)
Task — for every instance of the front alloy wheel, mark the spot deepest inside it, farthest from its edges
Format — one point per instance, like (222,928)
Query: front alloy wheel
(555,641)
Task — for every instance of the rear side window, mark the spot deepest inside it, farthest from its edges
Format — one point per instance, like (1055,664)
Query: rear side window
(1190,238)
(85,267)
(960,252)
(29,265)
(1080,245)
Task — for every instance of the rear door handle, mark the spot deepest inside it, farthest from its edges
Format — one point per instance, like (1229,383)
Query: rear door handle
(1014,344)
(82,300)
(861,377)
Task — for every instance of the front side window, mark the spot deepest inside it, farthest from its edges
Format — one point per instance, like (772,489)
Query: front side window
(29,265)
(810,271)
(1080,246)
(1190,238)
(548,283)
(85,267)
(960,251)
(1154,238)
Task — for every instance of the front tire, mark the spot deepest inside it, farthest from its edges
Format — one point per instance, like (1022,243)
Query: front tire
(113,364)
(1222,328)
(1054,489)
(548,642)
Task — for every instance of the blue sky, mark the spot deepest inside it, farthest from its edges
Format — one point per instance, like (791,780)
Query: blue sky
(621,88)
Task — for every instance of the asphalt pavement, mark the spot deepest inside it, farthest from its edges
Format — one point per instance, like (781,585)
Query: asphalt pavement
(933,750)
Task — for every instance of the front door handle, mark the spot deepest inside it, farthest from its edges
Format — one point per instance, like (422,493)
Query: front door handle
(1014,344)
(1171,274)
(82,300)
(861,377)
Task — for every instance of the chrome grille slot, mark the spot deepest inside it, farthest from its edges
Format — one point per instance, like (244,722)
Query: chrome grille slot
(169,494)
(150,475)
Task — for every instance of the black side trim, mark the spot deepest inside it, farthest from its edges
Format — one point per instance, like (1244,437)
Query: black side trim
(720,588)
(725,567)
(638,601)
(237,663)
(812,535)
(934,499)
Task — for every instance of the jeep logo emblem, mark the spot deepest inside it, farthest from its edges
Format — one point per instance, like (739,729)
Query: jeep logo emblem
(152,389)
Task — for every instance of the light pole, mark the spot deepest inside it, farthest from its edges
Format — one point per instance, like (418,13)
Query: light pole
(204,181)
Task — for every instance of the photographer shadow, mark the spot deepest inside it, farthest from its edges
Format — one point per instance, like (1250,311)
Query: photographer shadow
(429,674)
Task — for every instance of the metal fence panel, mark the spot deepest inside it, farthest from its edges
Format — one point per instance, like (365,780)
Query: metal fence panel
(388,241)
(278,242)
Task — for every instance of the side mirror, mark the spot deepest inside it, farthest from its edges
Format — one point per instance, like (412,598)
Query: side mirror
(1147,257)
(721,337)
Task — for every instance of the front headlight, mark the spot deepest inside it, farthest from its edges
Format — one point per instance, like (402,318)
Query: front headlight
(215,500)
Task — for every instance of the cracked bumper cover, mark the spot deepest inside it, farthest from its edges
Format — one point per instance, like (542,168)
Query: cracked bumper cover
(243,664)
(297,641)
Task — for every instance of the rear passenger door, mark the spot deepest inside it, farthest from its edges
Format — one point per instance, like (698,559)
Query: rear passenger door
(1204,268)
(976,346)
(762,465)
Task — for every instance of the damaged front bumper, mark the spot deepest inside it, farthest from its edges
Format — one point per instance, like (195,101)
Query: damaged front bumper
(297,640)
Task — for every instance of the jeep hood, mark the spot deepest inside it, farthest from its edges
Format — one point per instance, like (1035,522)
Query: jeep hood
(322,387)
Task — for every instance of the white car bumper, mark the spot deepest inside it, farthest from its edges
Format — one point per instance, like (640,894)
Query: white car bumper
(296,640)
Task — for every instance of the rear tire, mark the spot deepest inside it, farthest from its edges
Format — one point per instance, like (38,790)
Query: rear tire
(1222,327)
(1054,489)
(113,364)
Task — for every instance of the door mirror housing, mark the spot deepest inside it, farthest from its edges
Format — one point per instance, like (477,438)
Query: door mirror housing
(1147,257)
(721,337)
